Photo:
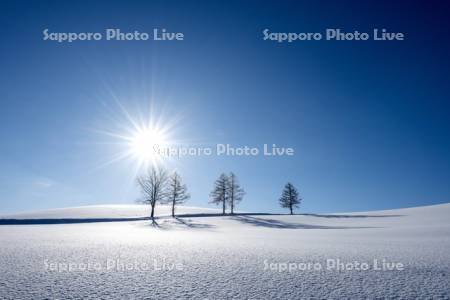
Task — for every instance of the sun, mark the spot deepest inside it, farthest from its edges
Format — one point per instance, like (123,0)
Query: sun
(145,142)
(142,139)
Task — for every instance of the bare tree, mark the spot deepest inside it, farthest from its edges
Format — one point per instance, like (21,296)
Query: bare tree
(153,187)
(177,192)
(235,193)
(219,194)
(289,197)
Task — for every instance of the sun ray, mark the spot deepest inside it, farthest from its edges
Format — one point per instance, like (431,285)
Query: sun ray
(137,137)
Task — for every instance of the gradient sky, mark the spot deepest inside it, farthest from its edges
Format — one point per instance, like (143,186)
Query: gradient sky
(369,120)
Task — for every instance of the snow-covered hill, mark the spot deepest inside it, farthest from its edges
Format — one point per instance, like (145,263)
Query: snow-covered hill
(114,211)
(203,256)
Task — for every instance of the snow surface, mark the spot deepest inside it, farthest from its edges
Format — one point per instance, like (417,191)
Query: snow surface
(114,211)
(215,257)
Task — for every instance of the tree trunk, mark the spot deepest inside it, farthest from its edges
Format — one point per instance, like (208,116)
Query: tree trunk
(173,208)
(290,199)
(223,207)
(153,212)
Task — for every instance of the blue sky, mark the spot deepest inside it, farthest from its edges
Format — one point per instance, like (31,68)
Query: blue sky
(368,120)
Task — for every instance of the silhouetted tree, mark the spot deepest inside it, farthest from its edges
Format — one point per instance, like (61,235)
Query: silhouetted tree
(177,192)
(153,187)
(219,194)
(234,191)
(289,197)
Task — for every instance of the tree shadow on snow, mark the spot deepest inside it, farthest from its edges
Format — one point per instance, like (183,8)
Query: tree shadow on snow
(178,223)
(270,223)
(203,215)
(189,223)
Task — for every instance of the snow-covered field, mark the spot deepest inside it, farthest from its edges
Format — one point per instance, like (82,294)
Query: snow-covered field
(117,211)
(212,257)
